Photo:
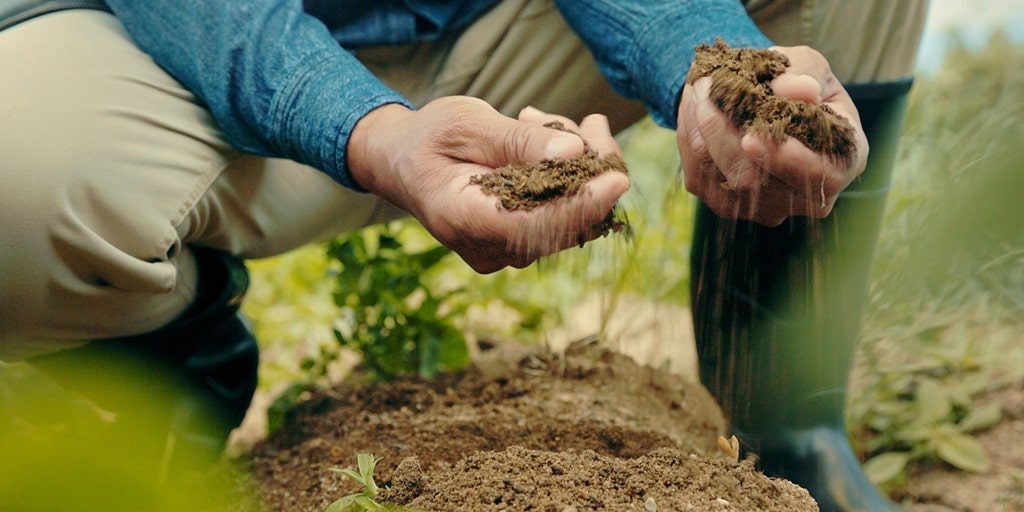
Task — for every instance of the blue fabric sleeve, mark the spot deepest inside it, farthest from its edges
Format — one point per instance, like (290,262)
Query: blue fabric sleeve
(645,47)
(273,76)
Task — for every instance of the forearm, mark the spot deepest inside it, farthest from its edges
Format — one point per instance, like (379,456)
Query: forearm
(275,80)
(645,47)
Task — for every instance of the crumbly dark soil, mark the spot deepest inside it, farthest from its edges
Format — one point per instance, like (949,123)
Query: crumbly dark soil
(741,87)
(522,429)
(528,186)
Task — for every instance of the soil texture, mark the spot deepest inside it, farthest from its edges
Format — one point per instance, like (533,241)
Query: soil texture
(528,186)
(522,429)
(741,88)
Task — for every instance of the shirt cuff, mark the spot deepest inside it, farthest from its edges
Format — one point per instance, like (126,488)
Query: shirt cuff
(665,49)
(319,107)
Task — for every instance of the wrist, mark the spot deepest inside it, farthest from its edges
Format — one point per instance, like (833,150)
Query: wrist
(369,151)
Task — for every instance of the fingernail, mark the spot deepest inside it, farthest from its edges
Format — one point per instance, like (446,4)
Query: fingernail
(530,110)
(755,148)
(702,89)
(564,146)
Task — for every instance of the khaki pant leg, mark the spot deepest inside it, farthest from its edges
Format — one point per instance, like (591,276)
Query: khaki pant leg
(519,53)
(102,154)
(865,41)
(111,169)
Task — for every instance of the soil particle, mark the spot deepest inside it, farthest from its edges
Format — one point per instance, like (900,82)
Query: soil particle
(522,429)
(741,87)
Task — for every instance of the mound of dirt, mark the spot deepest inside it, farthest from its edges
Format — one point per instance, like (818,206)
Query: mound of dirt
(522,429)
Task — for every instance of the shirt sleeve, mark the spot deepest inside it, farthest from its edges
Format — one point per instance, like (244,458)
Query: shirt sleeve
(645,47)
(274,78)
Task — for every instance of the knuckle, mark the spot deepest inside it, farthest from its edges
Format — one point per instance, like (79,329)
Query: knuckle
(517,140)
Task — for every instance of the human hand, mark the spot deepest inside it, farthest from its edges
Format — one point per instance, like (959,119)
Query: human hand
(747,176)
(422,162)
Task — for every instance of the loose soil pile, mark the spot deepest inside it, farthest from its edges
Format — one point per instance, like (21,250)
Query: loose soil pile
(521,430)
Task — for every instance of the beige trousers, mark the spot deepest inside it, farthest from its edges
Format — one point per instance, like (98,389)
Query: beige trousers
(111,169)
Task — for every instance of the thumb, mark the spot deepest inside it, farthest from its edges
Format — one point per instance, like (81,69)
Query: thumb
(510,141)
(798,87)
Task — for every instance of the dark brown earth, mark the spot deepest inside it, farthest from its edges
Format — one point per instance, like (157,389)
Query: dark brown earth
(522,429)
(527,186)
(741,87)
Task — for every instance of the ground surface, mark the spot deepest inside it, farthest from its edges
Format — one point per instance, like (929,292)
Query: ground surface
(591,430)
(564,433)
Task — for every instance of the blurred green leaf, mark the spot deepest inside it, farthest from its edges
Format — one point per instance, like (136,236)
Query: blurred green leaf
(982,418)
(932,400)
(963,451)
(886,466)
(280,406)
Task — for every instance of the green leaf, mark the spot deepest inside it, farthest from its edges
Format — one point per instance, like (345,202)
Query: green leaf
(915,433)
(341,504)
(964,452)
(932,400)
(367,503)
(427,259)
(884,467)
(454,350)
(349,473)
(280,406)
(367,463)
(429,354)
(980,419)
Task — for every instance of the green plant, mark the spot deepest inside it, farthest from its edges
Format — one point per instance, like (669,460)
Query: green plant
(924,408)
(290,304)
(362,500)
(945,296)
(388,313)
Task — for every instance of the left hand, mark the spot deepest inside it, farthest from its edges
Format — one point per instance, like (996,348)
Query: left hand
(748,176)
(422,161)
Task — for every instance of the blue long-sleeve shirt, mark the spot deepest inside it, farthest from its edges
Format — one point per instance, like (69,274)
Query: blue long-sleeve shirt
(277,78)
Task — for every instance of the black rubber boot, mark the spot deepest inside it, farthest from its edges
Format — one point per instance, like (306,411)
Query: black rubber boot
(197,375)
(777,313)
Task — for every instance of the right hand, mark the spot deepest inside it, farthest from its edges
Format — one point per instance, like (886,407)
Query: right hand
(747,176)
(422,160)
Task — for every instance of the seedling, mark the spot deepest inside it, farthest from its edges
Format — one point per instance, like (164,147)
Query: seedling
(388,312)
(730,447)
(363,500)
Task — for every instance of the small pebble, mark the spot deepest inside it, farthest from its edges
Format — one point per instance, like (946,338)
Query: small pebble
(650,505)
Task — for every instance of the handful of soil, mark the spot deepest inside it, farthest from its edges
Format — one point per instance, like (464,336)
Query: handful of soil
(741,88)
(527,186)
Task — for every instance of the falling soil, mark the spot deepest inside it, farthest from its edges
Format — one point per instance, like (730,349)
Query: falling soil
(522,429)
(741,87)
